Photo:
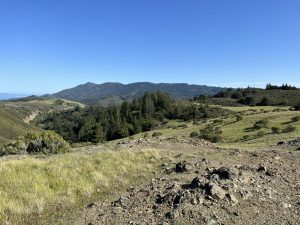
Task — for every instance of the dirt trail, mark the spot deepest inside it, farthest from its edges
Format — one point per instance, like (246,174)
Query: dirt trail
(208,186)
(31,117)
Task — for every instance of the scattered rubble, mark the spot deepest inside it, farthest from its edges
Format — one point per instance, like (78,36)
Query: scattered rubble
(291,143)
(255,187)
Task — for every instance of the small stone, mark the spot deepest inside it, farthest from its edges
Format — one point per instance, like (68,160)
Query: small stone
(286,205)
(183,167)
(197,182)
(224,173)
(193,201)
(91,205)
(171,215)
(262,168)
(178,200)
(232,198)
(215,191)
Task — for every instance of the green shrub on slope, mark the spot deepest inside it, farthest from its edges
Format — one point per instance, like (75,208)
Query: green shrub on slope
(46,142)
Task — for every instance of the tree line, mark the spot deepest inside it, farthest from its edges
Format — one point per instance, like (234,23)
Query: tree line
(99,124)
(285,95)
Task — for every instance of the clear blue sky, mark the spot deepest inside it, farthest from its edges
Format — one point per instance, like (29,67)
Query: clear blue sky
(49,45)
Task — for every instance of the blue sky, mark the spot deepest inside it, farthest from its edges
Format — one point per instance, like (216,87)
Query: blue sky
(49,45)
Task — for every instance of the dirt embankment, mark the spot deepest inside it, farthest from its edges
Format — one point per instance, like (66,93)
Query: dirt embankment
(31,117)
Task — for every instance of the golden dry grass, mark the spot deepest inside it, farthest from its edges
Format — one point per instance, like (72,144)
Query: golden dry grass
(35,187)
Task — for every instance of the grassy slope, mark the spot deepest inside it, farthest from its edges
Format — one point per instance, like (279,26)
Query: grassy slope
(12,114)
(275,97)
(11,127)
(32,187)
(233,131)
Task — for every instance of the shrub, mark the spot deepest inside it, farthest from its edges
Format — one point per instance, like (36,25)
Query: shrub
(260,134)
(246,137)
(211,137)
(288,129)
(146,135)
(194,134)
(13,148)
(165,122)
(297,107)
(131,138)
(195,122)
(295,118)
(277,110)
(211,133)
(218,130)
(156,134)
(46,142)
(183,126)
(264,123)
(218,121)
(276,130)
(239,117)
(216,138)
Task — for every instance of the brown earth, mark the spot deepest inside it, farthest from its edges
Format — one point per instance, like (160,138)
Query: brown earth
(200,183)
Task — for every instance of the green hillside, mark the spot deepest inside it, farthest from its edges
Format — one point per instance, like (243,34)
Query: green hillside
(116,93)
(286,96)
(12,127)
(239,133)
(15,115)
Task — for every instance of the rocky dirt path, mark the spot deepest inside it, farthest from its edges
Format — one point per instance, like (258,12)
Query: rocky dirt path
(222,187)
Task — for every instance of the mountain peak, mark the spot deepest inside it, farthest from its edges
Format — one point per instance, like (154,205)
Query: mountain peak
(115,92)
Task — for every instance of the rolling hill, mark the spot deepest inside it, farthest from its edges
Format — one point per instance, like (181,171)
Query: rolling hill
(254,97)
(15,115)
(116,93)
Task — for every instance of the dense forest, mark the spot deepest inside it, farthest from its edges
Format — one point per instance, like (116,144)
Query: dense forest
(285,95)
(100,124)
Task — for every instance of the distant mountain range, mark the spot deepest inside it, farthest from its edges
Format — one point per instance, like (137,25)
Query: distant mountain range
(116,93)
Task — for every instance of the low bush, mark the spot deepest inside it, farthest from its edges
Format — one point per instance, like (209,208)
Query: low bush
(297,107)
(156,134)
(146,135)
(47,142)
(295,118)
(264,123)
(288,129)
(196,122)
(13,148)
(218,121)
(276,130)
(211,133)
(239,117)
(246,137)
(260,134)
(194,134)
(211,137)
(183,126)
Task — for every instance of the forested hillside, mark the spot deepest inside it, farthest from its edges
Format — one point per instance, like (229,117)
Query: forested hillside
(116,93)
(15,115)
(99,124)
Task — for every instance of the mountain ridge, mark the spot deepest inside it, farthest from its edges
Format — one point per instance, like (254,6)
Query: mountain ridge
(114,92)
